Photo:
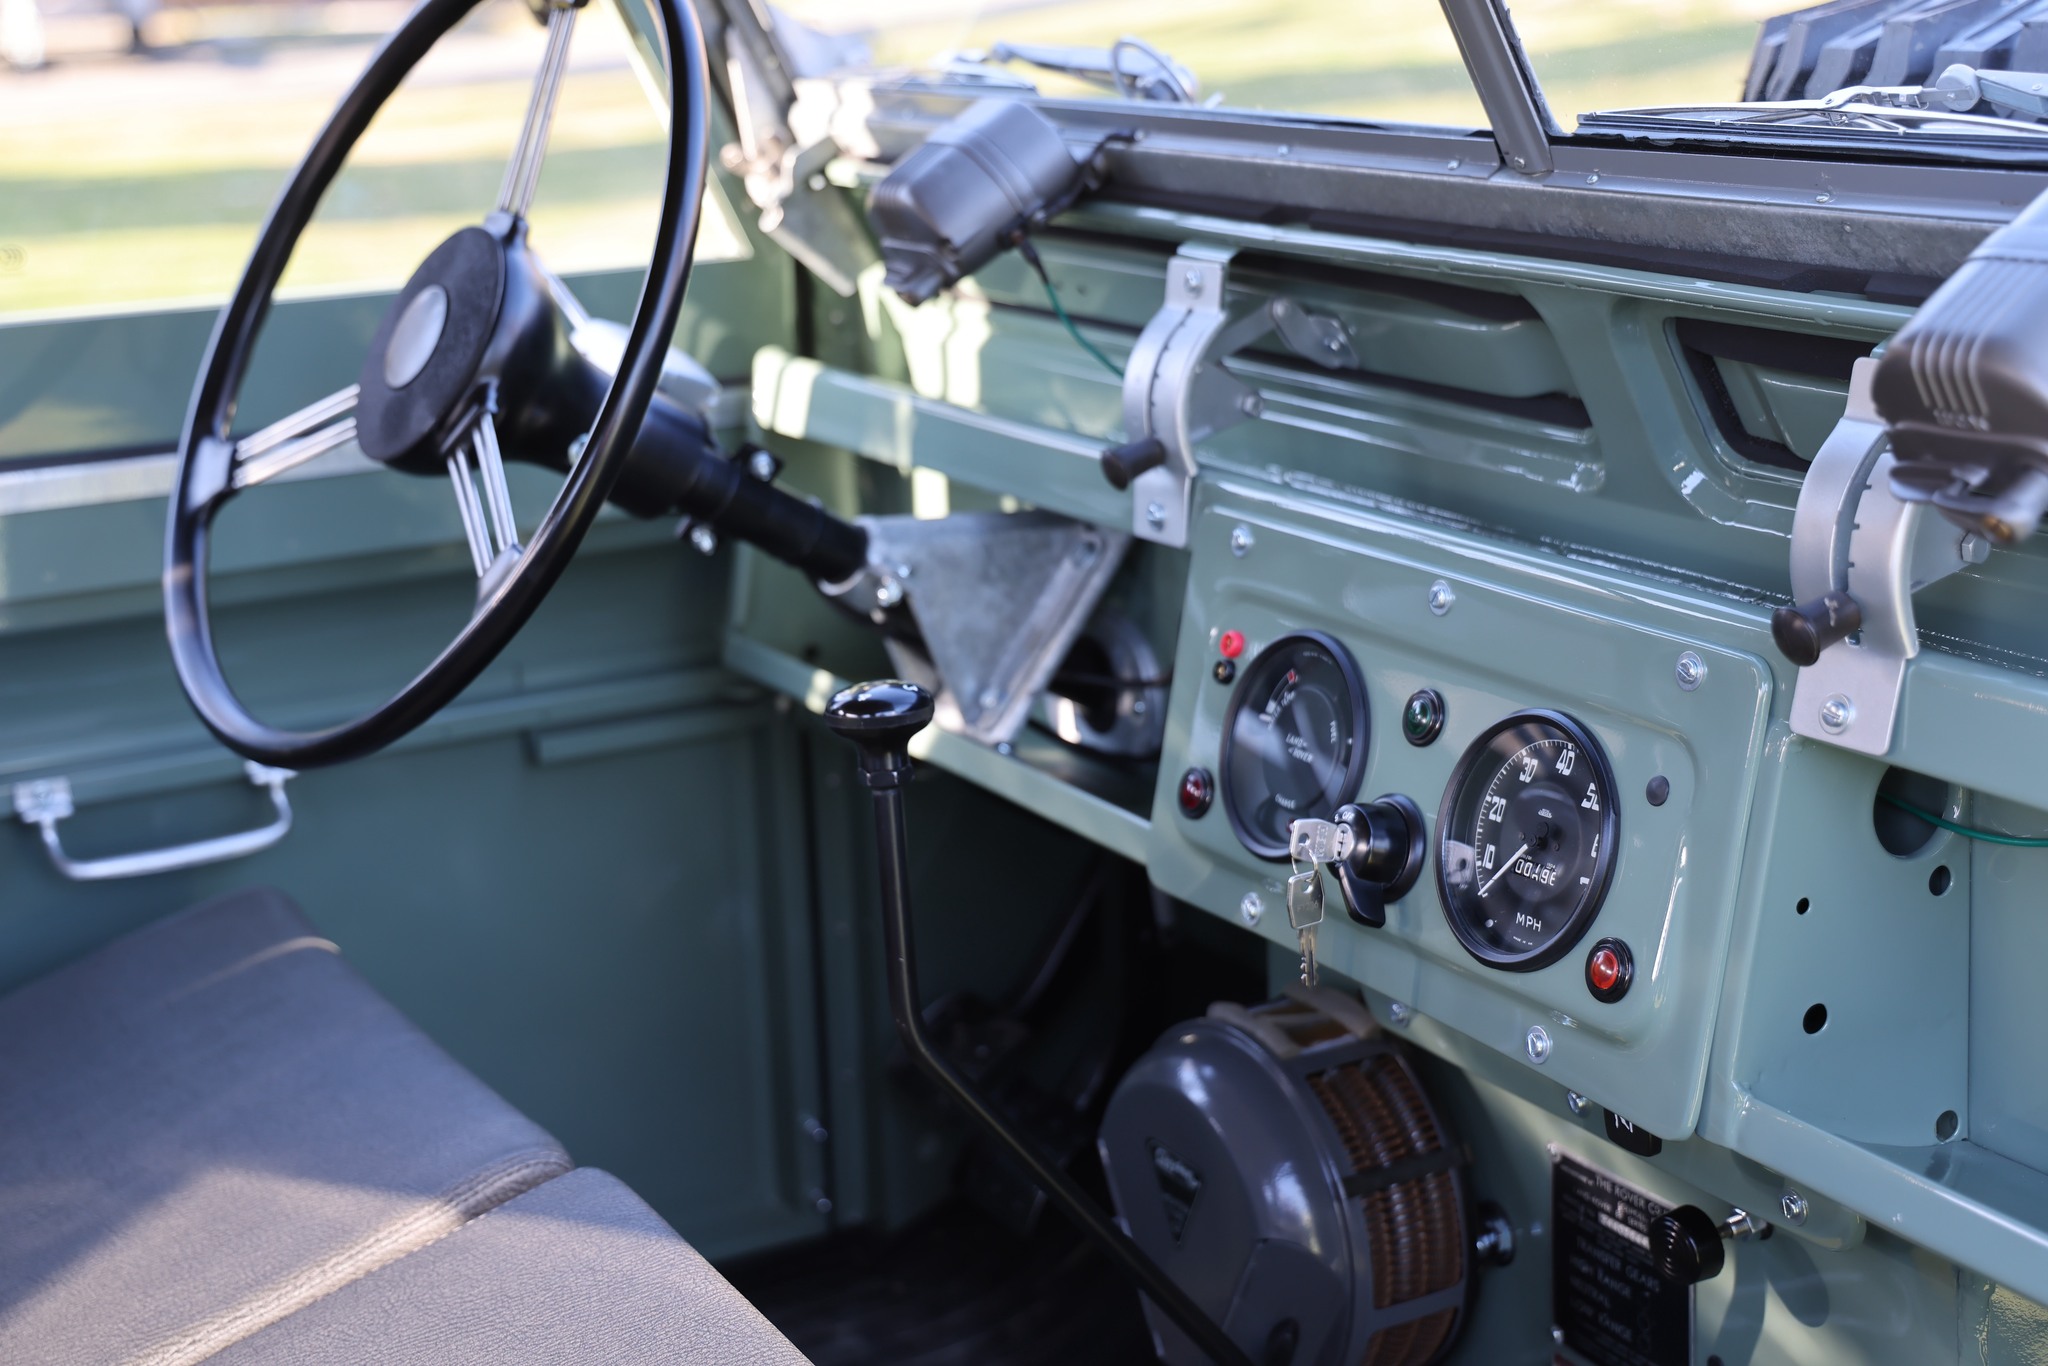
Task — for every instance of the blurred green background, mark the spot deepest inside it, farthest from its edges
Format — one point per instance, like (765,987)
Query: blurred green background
(136,178)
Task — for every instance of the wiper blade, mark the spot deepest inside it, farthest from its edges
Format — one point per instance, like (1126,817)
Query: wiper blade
(1132,67)
(2013,98)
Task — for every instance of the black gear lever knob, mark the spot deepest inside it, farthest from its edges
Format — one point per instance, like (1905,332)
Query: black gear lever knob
(880,717)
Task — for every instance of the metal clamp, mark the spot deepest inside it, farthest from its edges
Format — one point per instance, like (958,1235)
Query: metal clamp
(45,801)
(1177,392)
(1852,535)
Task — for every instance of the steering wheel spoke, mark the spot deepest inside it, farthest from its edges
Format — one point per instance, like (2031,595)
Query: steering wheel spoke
(289,442)
(522,175)
(476,467)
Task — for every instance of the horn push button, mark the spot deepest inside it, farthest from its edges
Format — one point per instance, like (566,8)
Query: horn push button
(429,350)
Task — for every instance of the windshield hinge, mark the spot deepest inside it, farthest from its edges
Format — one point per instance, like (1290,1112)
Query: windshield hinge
(784,172)
(1859,553)
(1177,391)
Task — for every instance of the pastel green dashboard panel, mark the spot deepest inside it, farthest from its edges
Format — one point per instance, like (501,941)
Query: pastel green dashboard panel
(1514,637)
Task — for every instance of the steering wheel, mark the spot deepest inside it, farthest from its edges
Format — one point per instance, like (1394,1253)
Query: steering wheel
(472,362)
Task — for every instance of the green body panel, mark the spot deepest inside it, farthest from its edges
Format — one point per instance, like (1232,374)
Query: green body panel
(1578,586)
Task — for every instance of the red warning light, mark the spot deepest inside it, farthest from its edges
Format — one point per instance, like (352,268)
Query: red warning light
(1231,643)
(1604,971)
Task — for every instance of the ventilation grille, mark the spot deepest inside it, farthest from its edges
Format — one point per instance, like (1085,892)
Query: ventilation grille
(1414,1227)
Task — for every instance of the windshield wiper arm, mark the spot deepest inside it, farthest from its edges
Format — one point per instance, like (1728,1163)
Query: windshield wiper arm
(1942,107)
(1131,66)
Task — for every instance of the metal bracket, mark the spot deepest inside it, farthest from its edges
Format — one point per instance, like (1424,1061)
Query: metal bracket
(998,598)
(1177,391)
(1851,534)
(43,802)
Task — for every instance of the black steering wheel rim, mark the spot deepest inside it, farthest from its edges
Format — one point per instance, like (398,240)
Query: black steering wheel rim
(205,445)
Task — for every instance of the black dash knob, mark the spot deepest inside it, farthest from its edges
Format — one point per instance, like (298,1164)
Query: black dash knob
(880,718)
(1802,632)
(1122,464)
(1687,1246)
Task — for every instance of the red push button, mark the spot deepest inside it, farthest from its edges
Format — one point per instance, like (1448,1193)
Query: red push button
(1197,790)
(1610,967)
(1231,644)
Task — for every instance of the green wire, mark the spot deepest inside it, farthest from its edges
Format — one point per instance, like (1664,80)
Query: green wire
(1030,254)
(1967,832)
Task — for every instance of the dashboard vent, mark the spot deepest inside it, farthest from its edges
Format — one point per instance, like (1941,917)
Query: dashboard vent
(1771,396)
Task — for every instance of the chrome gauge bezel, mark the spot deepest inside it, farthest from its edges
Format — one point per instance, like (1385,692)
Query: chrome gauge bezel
(1359,713)
(1594,896)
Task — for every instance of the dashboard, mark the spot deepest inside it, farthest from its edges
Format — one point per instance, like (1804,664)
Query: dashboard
(1344,622)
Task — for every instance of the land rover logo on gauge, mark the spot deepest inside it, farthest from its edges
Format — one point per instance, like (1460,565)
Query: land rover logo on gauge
(1294,739)
(1526,840)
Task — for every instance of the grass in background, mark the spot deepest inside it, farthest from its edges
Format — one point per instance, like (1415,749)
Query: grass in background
(140,180)
(1369,59)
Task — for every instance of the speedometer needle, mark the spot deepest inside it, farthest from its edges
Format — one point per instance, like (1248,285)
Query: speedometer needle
(1502,871)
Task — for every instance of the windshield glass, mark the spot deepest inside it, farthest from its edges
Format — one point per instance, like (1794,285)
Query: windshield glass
(1861,68)
(1382,60)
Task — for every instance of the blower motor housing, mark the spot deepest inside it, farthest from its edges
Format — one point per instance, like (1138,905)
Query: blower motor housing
(1283,1164)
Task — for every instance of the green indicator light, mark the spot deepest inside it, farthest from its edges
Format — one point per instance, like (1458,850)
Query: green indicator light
(1423,717)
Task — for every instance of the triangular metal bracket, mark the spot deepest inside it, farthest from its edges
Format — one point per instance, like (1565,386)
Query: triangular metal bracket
(999,599)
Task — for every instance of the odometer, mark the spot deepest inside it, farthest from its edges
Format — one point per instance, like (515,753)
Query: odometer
(1526,840)
(1294,739)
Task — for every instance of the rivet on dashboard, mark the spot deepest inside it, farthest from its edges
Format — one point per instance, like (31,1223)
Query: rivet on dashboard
(1836,714)
(1575,1102)
(1538,1044)
(1251,908)
(1240,541)
(1691,670)
(1441,597)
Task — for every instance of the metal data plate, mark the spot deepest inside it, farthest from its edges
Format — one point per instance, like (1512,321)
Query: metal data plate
(1608,1303)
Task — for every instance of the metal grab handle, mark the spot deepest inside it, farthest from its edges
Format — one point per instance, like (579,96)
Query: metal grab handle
(45,801)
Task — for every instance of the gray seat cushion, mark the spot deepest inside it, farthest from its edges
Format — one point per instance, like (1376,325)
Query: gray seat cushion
(576,1273)
(214,1122)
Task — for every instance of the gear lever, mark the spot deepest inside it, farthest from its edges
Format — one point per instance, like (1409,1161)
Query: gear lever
(880,718)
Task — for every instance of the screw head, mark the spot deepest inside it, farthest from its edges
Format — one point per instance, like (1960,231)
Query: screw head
(761,465)
(888,593)
(1836,713)
(1251,908)
(1251,405)
(1240,541)
(1441,597)
(1537,1044)
(1793,1206)
(1155,516)
(1575,1102)
(1192,279)
(1691,670)
(1399,1012)
(990,699)
(703,538)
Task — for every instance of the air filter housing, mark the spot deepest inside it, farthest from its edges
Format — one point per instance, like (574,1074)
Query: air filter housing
(1282,1163)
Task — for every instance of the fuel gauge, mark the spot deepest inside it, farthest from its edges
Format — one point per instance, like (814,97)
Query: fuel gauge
(1294,739)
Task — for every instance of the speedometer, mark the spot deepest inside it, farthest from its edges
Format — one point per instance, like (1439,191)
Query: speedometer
(1294,739)
(1526,840)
